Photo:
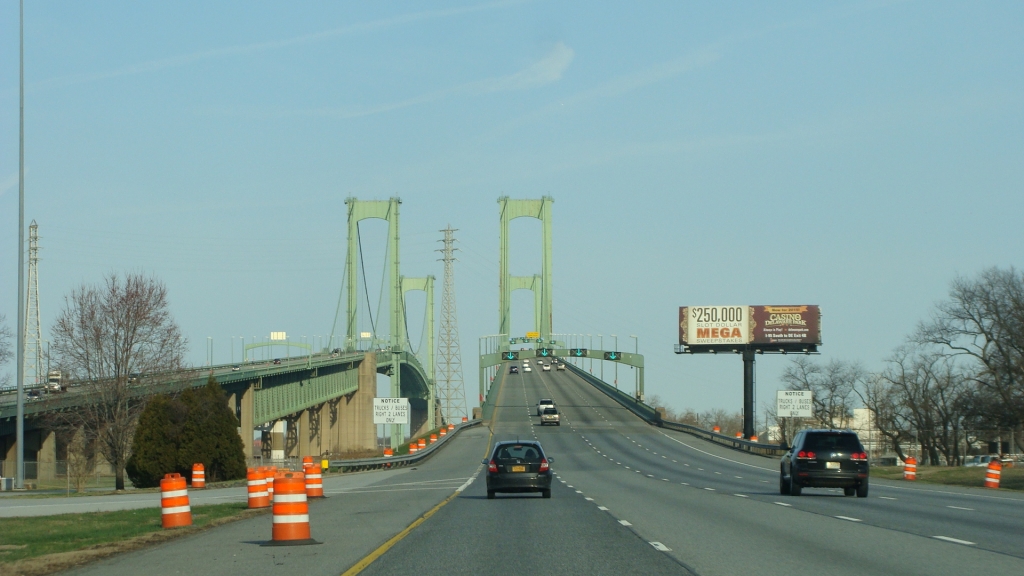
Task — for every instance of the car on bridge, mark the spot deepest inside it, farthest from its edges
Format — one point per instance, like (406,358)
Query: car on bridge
(550,416)
(513,369)
(516,466)
(824,459)
(546,367)
(544,403)
(560,366)
(277,360)
(526,368)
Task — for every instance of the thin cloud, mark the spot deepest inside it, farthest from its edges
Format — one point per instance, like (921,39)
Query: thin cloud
(240,49)
(547,70)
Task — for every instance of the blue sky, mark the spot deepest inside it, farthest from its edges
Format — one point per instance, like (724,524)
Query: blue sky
(856,156)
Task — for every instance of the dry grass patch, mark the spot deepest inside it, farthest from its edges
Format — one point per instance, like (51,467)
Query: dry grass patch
(47,544)
(1011,478)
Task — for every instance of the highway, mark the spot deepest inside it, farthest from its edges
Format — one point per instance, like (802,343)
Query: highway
(629,498)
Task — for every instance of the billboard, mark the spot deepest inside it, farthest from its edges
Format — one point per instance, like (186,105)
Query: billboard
(278,336)
(749,325)
(794,404)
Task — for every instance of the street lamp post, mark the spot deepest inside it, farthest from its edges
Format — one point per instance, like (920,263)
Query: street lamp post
(616,346)
(636,373)
(590,339)
(600,344)
(209,350)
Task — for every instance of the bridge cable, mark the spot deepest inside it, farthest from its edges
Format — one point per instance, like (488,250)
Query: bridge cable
(359,239)
(383,274)
(337,310)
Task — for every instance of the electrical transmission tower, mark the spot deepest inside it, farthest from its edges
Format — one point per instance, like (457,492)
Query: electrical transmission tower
(33,370)
(451,391)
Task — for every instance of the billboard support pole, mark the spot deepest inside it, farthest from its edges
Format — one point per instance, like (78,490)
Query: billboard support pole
(748,393)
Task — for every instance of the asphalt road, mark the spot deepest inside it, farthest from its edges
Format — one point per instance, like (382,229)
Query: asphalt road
(628,498)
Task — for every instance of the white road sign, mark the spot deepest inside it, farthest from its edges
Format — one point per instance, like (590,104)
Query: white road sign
(390,410)
(795,404)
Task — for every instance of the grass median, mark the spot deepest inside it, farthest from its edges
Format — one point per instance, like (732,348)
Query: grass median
(1011,478)
(46,544)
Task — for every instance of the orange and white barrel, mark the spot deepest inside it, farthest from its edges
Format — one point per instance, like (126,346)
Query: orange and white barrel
(388,452)
(174,508)
(413,448)
(716,429)
(992,473)
(464,419)
(291,511)
(307,461)
(433,438)
(753,438)
(739,434)
(451,427)
(257,485)
(443,432)
(910,469)
(198,475)
(422,443)
(314,482)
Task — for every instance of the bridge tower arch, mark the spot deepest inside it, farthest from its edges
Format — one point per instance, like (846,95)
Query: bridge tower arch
(539,284)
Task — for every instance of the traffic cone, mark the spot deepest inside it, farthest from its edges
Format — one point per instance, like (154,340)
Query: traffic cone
(995,469)
(910,469)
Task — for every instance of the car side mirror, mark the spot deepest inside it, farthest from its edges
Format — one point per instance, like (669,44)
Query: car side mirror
(484,462)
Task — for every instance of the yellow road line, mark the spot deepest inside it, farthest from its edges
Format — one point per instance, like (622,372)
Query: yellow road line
(370,558)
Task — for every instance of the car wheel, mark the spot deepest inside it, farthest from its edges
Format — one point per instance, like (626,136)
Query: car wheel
(862,489)
(783,485)
(545,493)
(490,494)
(850,491)
(795,489)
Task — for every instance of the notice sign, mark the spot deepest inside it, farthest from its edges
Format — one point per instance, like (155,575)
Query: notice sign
(714,325)
(390,410)
(795,404)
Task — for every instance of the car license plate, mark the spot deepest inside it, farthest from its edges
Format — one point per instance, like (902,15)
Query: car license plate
(519,468)
(832,465)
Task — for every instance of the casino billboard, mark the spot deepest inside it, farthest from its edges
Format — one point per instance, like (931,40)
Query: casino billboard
(774,327)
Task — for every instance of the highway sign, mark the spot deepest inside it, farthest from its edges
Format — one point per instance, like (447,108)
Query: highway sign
(510,355)
(578,352)
(544,352)
(390,410)
(795,404)
(278,336)
(613,356)
(533,335)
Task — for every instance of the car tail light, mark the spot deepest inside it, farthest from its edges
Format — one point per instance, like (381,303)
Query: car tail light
(805,455)
(492,467)
(859,457)
(544,465)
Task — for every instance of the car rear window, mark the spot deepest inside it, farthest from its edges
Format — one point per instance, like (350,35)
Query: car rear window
(518,453)
(550,411)
(832,441)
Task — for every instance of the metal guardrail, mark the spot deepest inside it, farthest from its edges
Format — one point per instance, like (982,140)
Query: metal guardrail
(400,461)
(650,415)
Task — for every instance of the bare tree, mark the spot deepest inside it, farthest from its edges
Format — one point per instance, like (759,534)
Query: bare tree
(832,387)
(115,338)
(983,322)
(6,351)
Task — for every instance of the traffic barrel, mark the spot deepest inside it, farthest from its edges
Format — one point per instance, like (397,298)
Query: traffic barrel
(464,419)
(716,429)
(307,461)
(198,475)
(422,443)
(291,511)
(257,484)
(444,432)
(388,452)
(451,426)
(910,469)
(753,438)
(433,438)
(314,482)
(995,469)
(174,508)
(739,434)
(413,448)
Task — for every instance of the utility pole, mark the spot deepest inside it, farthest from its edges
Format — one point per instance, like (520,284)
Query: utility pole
(451,388)
(19,427)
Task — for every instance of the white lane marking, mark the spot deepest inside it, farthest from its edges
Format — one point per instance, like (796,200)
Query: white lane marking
(711,489)
(886,497)
(719,473)
(740,477)
(589,499)
(624,523)
(954,540)
(685,483)
(701,469)
(650,475)
(741,495)
(664,479)
(784,504)
(579,492)
(660,547)
(471,478)
(848,518)
(568,485)
(602,508)
(715,455)
(628,468)
(959,508)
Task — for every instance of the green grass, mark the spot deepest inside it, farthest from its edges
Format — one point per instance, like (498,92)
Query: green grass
(40,535)
(1010,479)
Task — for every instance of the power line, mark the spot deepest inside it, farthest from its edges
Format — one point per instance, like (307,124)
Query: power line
(450,385)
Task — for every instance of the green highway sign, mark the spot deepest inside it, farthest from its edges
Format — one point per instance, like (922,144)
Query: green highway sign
(544,352)
(578,352)
(510,355)
(613,356)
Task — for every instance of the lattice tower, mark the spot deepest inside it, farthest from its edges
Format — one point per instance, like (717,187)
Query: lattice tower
(450,386)
(33,370)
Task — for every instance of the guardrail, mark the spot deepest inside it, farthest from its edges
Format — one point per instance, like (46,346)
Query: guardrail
(650,415)
(400,461)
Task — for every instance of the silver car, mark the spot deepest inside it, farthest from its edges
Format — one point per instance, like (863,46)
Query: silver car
(550,416)
(544,403)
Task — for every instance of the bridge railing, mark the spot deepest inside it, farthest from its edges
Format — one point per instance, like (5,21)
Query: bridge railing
(650,415)
(400,461)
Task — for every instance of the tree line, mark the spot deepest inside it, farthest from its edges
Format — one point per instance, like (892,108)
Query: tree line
(960,372)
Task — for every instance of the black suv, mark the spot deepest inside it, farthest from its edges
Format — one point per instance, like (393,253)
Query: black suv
(518,467)
(825,458)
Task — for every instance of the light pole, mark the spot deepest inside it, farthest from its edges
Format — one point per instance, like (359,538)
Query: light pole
(590,339)
(600,344)
(636,373)
(616,346)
